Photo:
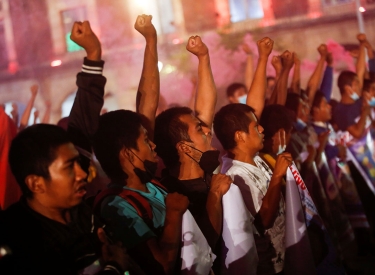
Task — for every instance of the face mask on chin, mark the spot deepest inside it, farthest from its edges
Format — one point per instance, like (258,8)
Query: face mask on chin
(209,160)
(242,99)
(354,96)
(148,174)
(371,102)
(282,145)
(300,124)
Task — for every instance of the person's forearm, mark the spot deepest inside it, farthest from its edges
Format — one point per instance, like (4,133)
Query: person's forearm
(315,79)
(257,92)
(326,86)
(206,96)
(149,85)
(281,87)
(249,71)
(270,204)
(360,126)
(361,64)
(26,114)
(169,241)
(296,81)
(214,209)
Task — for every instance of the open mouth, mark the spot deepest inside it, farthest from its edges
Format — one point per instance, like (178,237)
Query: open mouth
(81,191)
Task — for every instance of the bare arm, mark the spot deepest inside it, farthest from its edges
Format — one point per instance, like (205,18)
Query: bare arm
(149,84)
(281,87)
(206,96)
(47,114)
(26,114)
(316,77)
(276,63)
(267,213)
(361,61)
(165,249)
(296,81)
(358,129)
(257,92)
(249,71)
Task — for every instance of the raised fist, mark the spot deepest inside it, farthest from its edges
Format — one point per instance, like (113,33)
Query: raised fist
(144,26)
(177,203)
(283,161)
(86,38)
(34,90)
(246,49)
(361,37)
(196,46)
(220,184)
(276,63)
(287,59)
(323,50)
(265,46)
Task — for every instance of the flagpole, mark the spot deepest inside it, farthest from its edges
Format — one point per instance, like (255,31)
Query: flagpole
(361,24)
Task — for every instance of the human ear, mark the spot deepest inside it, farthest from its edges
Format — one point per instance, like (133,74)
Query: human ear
(182,148)
(238,136)
(36,184)
(126,155)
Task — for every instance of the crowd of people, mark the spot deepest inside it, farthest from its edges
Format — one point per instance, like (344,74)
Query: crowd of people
(185,167)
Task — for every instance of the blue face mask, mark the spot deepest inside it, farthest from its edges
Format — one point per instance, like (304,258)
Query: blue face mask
(371,102)
(354,96)
(300,125)
(242,99)
(282,145)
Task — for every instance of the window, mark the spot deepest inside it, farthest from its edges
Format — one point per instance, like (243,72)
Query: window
(245,9)
(335,2)
(68,19)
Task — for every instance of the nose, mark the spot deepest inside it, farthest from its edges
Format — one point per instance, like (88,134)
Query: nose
(260,129)
(80,174)
(153,145)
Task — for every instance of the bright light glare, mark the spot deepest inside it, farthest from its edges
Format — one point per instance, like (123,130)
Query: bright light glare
(55,63)
(160,65)
(362,9)
(176,41)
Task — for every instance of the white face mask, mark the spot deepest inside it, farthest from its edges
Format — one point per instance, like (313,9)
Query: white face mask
(242,99)
(371,102)
(354,96)
(282,142)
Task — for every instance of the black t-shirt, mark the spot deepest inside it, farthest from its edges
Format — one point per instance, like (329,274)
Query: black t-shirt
(40,245)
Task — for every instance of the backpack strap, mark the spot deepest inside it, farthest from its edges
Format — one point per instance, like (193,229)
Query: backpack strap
(136,200)
(159,185)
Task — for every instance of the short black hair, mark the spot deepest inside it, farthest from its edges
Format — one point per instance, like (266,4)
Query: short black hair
(229,119)
(275,117)
(33,150)
(367,84)
(234,87)
(316,101)
(345,78)
(169,130)
(117,130)
(292,103)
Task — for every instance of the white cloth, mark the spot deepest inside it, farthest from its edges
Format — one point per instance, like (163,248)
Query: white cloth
(253,181)
(196,254)
(239,254)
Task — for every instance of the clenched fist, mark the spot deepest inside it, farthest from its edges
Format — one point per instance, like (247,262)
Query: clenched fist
(196,46)
(86,38)
(220,184)
(177,203)
(145,27)
(287,59)
(283,161)
(265,46)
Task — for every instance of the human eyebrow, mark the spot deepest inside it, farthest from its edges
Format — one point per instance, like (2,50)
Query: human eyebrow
(72,160)
(198,125)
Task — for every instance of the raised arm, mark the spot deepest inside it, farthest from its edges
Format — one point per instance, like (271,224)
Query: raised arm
(371,57)
(47,113)
(361,61)
(206,96)
(326,86)
(296,80)
(281,87)
(316,77)
(249,71)
(26,114)
(276,63)
(149,84)
(84,116)
(257,92)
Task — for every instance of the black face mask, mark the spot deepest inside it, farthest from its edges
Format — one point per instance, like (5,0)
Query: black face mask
(149,173)
(209,160)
